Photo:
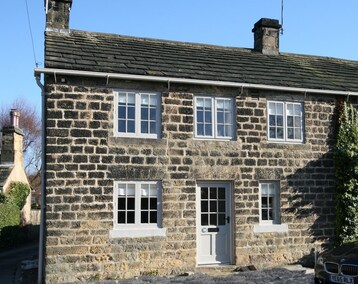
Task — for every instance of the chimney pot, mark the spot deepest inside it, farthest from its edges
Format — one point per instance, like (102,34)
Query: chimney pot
(266,36)
(14,118)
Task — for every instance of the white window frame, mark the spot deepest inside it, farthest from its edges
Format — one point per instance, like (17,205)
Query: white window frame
(137,117)
(285,136)
(137,229)
(273,225)
(214,101)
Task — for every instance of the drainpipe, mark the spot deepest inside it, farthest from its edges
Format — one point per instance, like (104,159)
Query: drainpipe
(43,185)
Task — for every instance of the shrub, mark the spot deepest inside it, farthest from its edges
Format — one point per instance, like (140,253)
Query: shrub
(346,168)
(9,215)
(17,194)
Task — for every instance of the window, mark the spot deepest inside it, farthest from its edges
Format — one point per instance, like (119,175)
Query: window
(270,219)
(137,209)
(137,114)
(269,201)
(285,121)
(214,117)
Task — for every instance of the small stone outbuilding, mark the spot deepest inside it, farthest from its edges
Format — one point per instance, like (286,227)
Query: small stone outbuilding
(165,156)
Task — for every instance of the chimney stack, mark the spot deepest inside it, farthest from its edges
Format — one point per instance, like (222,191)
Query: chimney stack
(58,15)
(12,141)
(266,36)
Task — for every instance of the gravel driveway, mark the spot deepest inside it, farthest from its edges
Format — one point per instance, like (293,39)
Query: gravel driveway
(291,275)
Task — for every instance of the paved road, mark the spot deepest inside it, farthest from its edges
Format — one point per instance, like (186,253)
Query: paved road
(11,259)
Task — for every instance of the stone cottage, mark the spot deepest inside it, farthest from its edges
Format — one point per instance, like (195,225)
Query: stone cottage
(12,160)
(165,156)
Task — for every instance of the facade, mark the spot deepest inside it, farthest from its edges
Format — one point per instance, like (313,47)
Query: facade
(11,160)
(164,156)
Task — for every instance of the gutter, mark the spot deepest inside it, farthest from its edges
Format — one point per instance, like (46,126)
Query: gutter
(169,80)
(43,185)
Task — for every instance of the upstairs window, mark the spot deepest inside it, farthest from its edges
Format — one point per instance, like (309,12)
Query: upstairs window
(285,121)
(137,114)
(214,118)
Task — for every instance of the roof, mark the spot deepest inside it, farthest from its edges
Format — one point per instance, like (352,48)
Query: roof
(99,52)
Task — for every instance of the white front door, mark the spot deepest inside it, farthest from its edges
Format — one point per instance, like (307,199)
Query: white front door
(214,223)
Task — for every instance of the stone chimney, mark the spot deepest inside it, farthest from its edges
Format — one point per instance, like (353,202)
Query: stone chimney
(266,36)
(57,15)
(12,141)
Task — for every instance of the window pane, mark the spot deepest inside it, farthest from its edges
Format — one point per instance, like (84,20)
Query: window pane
(279,120)
(220,104)
(121,126)
(153,114)
(264,214)
(220,131)
(279,108)
(200,129)
(279,133)
(121,217)
(131,112)
(199,103)
(131,127)
(207,103)
(220,118)
(297,109)
(200,116)
(153,100)
(122,113)
(289,109)
(272,108)
(208,130)
(153,217)
(153,128)
(228,117)
(153,203)
(213,193)
(144,217)
(228,130)
(204,193)
(121,203)
(144,203)
(272,120)
(213,207)
(204,206)
(131,98)
(213,219)
(144,113)
(208,116)
(297,121)
(290,121)
(264,202)
(222,206)
(204,219)
(130,203)
(221,192)
(144,127)
(298,133)
(290,133)
(272,132)
(130,217)
(144,99)
(122,98)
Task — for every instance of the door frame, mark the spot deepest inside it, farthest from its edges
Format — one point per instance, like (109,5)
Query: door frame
(230,203)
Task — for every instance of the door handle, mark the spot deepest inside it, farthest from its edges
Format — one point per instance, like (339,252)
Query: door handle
(228,219)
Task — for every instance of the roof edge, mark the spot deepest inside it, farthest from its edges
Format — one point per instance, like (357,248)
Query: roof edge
(169,80)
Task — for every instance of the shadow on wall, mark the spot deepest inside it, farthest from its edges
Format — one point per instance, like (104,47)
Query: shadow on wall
(312,197)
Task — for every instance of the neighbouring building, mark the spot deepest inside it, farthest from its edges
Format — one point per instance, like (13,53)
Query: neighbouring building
(163,156)
(12,160)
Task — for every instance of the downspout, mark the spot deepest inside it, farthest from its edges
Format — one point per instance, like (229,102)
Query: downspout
(43,185)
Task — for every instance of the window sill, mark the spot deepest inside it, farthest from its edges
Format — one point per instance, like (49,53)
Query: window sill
(137,232)
(271,228)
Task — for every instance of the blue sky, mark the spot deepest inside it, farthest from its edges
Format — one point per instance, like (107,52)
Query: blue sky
(316,27)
